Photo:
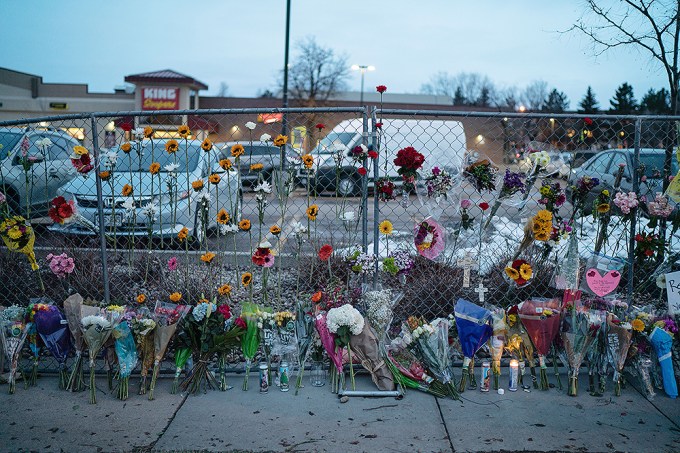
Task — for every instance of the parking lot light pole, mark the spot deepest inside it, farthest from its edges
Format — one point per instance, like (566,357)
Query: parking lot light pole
(363,69)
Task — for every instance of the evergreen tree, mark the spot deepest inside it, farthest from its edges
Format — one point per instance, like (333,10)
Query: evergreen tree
(589,104)
(484,99)
(557,102)
(656,102)
(458,97)
(624,102)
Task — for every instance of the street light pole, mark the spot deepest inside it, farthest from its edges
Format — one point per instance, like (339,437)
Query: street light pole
(363,69)
(284,130)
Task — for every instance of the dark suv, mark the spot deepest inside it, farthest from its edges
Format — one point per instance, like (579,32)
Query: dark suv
(261,153)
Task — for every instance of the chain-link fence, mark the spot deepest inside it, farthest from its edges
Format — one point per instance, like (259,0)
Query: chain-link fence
(150,197)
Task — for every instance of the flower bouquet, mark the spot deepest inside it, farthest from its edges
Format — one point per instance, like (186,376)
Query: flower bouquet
(640,352)
(126,352)
(519,345)
(409,372)
(63,212)
(398,263)
(408,162)
(438,186)
(345,321)
(224,340)
(250,340)
(541,319)
(370,349)
(18,236)
(379,306)
(96,330)
(13,332)
(519,272)
(143,327)
(497,343)
(328,342)
(512,184)
(429,238)
(51,325)
(182,355)
(74,310)
(579,329)
(304,330)
(619,339)
(32,337)
(482,175)
(661,339)
(472,322)
(167,317)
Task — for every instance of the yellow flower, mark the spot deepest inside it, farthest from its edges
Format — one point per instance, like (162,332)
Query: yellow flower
(275,230)
(80,150)
(256,167)
(638,325)
(127,190)
(141,298)
(603,208)
(547,312)
(512,319)
(184,131)
(183,233)
(542,236)
(386,227)
(154,168)
(280,140)
(148,132)
(312,212)
(525,271)
(206,145)
(223,217)
(224,290)
(246,278)
(171,146)
(214,178)
(14,232)
(244,225)
(237,150)
(208,257)
(544,215)
(308,160)
(512,273)
(536,227)
(105,175)
(176,297)
(126,147)
(225,164)
(605,192)
(197,185)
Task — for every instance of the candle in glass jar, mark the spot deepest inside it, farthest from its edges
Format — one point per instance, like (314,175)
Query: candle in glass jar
(514,375)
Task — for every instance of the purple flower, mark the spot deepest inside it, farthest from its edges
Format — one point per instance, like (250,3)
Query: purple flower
(512,182)
(25,145)
(436,171)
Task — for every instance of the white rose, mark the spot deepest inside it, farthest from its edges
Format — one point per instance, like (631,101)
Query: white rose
(250,125)
(265,138)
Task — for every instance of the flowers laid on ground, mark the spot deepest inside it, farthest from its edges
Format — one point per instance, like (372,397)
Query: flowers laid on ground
(13,332)
(345,321)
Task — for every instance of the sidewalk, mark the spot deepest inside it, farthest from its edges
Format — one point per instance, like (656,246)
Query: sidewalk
(47,419)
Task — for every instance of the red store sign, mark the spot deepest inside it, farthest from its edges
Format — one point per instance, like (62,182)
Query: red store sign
(160,98)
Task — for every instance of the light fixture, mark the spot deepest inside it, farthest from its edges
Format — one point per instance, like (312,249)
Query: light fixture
(363,69)
(522,108)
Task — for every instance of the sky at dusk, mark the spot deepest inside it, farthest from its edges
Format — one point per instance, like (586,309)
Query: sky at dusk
(242,43)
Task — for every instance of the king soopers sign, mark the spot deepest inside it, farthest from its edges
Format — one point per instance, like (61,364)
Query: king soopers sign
(160,99)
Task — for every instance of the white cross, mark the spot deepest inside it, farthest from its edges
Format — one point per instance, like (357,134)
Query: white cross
(467,262)
(481,290)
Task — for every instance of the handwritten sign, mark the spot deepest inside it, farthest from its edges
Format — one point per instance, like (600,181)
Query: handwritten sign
(673,291)
(602,284)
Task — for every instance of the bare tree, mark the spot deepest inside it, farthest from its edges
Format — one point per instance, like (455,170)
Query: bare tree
(223,90)
(535,94)
(466,88)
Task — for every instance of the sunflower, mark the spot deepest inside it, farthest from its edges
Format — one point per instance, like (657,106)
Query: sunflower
(224,290)
(80,150)
(637,325)
(312,212)
(184,131)
(386,227)
(512,273)
(126,147)
(525,271)
(176,297)
(237,150)
(141,298)
(542,236)
(536,227)
(544,215)
(246,278)
(105,175)
(197,185)
(244,225)
(183,233)
(171,146)
(225,164)
(127,190)
(256,167)
(154,168)
(207,257)
(223,217)
(603,208)
(214,178)
(280,140)
(308,160)
(206,145)
(148,132)
(275,230)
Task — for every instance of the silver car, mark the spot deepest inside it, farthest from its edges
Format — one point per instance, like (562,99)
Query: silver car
(162,204)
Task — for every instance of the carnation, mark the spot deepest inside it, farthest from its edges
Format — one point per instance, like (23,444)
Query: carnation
(345,316)
(97,320)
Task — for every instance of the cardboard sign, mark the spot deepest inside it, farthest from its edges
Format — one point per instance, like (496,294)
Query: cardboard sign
(673,291)
(602,284)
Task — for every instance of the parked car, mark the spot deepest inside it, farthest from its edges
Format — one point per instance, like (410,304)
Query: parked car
(442,143)
(263,153)
(50,166)
(605,165)
(172,212)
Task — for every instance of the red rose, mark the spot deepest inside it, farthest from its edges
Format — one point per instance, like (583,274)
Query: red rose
(484,205)
(378,125)
(409,159)
(241,323)
(224,310)
(362,171)
(320,126)
(325,252)
(372,154)
(587,121)
(649,252)
(381,89)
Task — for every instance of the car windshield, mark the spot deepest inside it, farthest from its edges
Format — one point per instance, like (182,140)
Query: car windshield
(8,140)
(654,165)
(330,142)
(159,155)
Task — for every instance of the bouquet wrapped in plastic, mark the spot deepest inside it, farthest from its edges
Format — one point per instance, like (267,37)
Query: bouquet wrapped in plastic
(52,327)
(304,330)
(369,350)
(167,317)
(661,339)
(429,238)
(96,330)
(143,326)
(472,322)
(512,184)
(250,340)
(519,345)
(126,352)
(334,354)
(619,339)
(13,332)
(409,372)
(74,310)
(345,321)
(497,343)
(541,319)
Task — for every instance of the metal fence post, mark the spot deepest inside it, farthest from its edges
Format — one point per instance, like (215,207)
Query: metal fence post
(376,201)
(100,211)
(633,222)
(364,188)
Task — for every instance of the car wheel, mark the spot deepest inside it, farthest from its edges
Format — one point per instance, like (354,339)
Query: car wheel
(348,186)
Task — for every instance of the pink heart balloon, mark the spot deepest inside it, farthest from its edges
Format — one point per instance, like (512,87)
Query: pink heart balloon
(602,284)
